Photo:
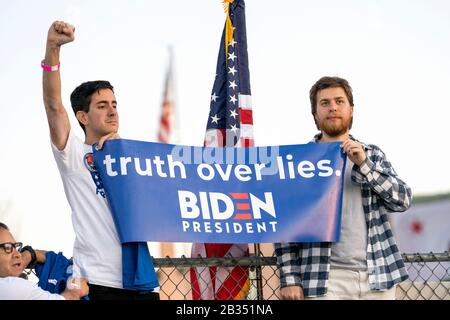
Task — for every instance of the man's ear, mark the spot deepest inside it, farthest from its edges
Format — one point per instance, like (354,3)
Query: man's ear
(82,117)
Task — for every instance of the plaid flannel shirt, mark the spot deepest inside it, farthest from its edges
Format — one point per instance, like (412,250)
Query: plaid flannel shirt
(382,191)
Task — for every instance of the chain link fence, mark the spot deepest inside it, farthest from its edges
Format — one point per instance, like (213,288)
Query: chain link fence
(429,277)
(180,278)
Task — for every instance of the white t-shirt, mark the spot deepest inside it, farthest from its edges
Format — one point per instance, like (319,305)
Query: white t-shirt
(97,252)
(15,288)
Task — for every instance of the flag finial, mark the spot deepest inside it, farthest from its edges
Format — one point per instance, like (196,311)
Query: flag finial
(228,25)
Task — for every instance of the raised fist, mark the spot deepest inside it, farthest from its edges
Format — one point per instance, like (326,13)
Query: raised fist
(60,33)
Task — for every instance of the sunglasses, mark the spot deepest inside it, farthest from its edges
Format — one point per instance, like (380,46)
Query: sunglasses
(9,246)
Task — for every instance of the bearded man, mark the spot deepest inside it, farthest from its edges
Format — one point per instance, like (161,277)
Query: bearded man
(365,263)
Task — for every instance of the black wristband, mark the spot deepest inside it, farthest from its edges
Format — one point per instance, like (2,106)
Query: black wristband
(33,261)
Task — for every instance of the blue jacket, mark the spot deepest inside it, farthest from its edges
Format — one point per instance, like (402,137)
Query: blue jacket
(55,272)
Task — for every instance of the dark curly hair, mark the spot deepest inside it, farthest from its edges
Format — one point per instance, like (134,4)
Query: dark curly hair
(81,96)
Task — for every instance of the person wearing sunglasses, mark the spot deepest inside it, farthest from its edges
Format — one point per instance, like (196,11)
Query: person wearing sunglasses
(12,264)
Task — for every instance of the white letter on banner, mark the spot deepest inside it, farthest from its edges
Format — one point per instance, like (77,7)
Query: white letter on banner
(258,168)
(218,227)
(267,206)
(188,200)
(123,165)
(210,174)
(204,205)
(274,225)
(148,167)
(306,169)
(322,165)
(159,164)
(196,226)
(224,175)
(172,164)
(237,228)
(280,168)
(261,227)
(108,163)
(215,197)
(242,172)
(185,226)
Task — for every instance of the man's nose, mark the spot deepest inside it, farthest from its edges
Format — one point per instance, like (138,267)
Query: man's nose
(333,106)
(16,253)
(112,111)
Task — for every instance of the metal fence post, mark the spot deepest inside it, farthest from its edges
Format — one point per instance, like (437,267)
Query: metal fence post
(258,270)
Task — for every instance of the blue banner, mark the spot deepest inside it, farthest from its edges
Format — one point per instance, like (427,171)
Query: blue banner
(162,192)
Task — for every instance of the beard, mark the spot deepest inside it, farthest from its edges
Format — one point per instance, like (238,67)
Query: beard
(335,129)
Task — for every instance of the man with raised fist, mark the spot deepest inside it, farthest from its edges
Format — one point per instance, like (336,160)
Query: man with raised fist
(97,249)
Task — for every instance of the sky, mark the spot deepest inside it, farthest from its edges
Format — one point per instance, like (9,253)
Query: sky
(394,54)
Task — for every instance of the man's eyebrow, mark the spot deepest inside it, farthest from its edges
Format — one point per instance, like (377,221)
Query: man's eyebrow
(106,101)
(334,98)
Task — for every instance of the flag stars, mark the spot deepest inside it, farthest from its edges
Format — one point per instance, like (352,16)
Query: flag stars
(232,70)
(214,97)
(232,43)
(215,119)
(231,56)
(234,128)
(233,113)
(233,84)
(233,99)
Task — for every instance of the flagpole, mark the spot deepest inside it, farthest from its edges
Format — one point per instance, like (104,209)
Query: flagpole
(167,128)
(231,100)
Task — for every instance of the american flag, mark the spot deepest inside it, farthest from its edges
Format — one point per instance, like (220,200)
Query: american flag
(166,130)
(230,124)
(230,121)
(167,121)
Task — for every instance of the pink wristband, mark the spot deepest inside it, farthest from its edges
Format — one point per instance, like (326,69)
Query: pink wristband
(49,68)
